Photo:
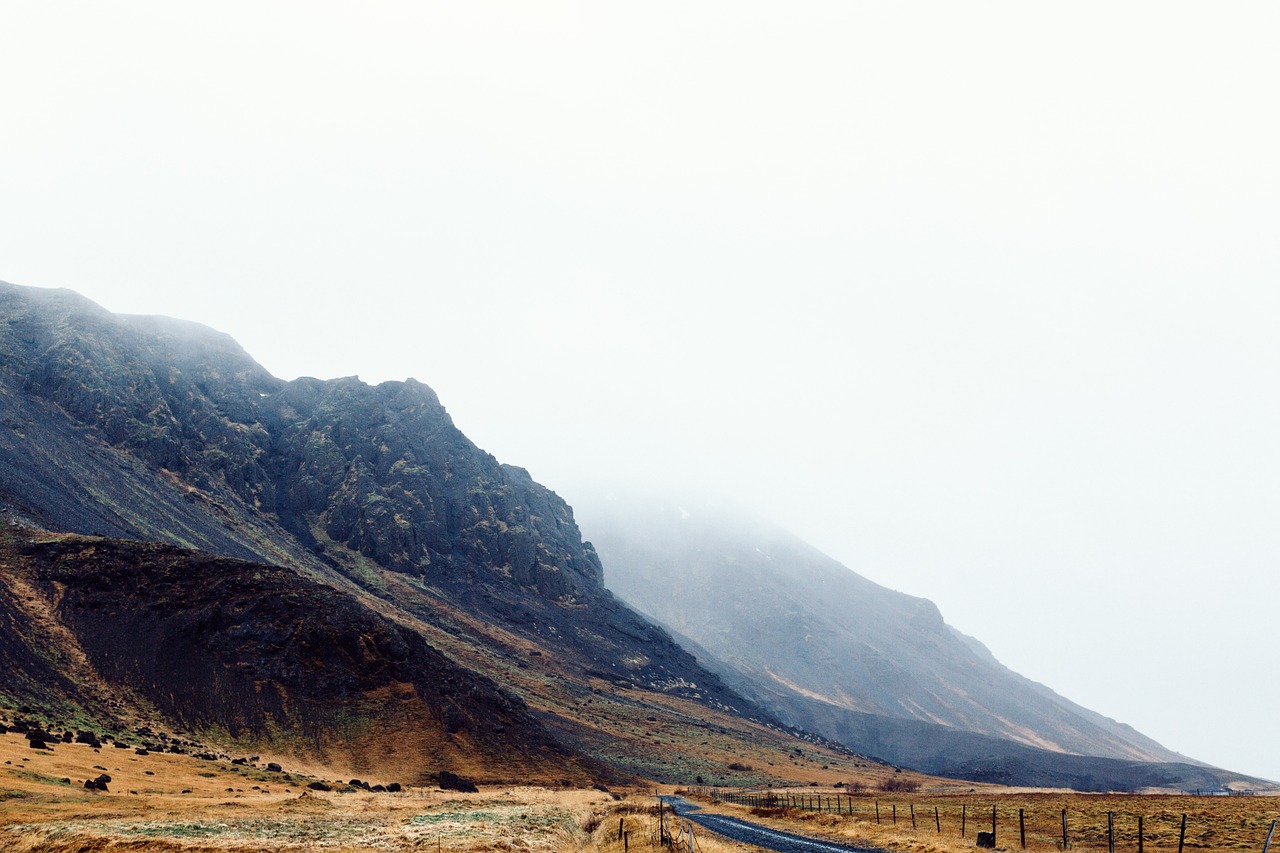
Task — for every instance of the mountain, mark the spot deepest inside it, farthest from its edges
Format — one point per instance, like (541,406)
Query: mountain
(357,584)
(201,475)
(827,650)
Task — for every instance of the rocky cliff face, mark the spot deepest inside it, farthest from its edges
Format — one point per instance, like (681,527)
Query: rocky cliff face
(164,431)
(381,470)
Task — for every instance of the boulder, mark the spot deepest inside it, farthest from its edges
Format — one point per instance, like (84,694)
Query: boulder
(98,784)
(453,782)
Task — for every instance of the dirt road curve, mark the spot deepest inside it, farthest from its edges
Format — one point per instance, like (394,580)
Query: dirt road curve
(753,833)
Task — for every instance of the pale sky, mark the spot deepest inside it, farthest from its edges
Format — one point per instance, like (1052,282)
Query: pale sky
(980,298)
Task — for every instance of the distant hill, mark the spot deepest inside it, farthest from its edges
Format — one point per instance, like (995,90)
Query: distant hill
(830,651)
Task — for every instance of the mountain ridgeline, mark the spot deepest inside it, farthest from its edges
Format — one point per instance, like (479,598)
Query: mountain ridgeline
(332,571)
(157,430)
(827,650)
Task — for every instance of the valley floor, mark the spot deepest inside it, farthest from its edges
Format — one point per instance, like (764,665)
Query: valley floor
(167,802)
(164,802)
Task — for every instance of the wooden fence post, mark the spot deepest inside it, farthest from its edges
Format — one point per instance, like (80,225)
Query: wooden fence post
(993,827)
(1182,833)
(1065,843)
(1270,832)
(895,814)
(1111,832)
(1022,829)
(964,807)
(913,815)
(877,811)
(1139,833)
(937,820)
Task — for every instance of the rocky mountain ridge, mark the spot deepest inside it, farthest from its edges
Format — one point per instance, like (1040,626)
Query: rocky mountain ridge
(254,467)
(163,431)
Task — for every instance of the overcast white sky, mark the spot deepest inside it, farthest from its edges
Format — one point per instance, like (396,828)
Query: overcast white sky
(980,298)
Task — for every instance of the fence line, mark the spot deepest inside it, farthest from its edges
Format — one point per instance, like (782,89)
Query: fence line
(1084,833)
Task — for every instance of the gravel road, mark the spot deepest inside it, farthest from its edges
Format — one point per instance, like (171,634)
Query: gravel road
(754,833)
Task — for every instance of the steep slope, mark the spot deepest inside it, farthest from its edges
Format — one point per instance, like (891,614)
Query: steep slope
(250,653)
(163,431)
(828,650)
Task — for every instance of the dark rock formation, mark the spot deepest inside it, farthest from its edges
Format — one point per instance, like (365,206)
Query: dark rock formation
(452,782)
(249,648)
(156,429)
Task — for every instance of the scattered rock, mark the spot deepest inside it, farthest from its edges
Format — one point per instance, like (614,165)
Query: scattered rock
(320,786)
(272,767)
(98,784)
(453,782)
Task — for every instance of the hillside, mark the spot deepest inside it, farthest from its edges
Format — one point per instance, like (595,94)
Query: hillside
(235,651)
(163,431)
(879,671)
(366,506)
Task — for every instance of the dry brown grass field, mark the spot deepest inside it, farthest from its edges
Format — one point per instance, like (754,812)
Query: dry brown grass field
(1213,823)
(164,802)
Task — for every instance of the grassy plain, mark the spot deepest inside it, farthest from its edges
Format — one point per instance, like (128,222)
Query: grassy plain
(164,802)
(1214,824)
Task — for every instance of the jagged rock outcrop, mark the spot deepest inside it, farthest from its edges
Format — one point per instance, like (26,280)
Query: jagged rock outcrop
(165,431)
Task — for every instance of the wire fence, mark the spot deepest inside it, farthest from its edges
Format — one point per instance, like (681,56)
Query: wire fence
(1118,824)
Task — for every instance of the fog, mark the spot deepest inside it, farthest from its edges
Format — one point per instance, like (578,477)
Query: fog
(981,299)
